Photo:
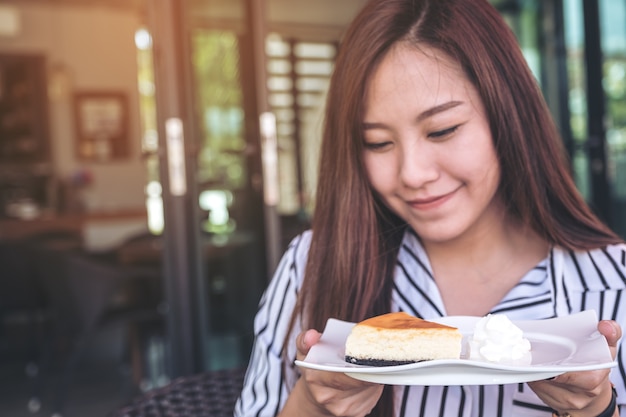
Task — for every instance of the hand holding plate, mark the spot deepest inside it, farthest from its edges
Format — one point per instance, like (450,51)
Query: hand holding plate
(321,393)
(585,392)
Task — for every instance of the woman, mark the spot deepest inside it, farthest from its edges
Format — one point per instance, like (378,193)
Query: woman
(443,190)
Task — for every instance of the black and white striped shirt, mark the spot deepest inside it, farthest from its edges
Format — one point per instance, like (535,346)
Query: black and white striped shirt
(564,283)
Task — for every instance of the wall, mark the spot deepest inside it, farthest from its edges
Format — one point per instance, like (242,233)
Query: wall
(86,49)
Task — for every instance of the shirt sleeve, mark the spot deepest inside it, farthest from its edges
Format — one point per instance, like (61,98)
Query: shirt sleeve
(270,377)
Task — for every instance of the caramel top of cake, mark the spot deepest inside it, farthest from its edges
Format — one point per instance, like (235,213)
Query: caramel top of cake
(400,321)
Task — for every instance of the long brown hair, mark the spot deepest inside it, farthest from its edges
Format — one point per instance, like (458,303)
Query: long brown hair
(349,273)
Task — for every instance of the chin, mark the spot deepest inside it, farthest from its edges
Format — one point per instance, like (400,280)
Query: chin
(436,237)
(439,234)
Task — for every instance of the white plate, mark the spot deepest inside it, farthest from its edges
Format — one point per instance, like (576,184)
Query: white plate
(558,345)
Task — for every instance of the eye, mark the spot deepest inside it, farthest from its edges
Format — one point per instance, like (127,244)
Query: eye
(376,146)
(443,133)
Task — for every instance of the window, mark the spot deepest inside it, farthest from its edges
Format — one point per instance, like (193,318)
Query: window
(298,77)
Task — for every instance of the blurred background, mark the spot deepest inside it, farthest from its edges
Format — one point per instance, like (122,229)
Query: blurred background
(157,156)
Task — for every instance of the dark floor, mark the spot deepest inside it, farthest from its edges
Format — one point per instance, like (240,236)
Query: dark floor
(95,392)
(103,381)
(101,384)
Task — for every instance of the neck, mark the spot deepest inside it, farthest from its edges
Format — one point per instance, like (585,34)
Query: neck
(475,272)
(497,239)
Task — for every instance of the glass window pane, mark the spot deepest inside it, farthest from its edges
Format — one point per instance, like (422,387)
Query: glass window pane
(285,129)
(288,181)
(312,84)
(309,100)
(314,50)
(577,96)
(278,66)
(219,101)
(280,100)
(276,47)
(307,67)
(279,83)
(613,16)
(284,115)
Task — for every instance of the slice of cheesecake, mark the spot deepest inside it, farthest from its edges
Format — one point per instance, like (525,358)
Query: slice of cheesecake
(399,338)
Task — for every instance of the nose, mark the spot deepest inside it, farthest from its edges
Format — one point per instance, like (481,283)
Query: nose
(418,165)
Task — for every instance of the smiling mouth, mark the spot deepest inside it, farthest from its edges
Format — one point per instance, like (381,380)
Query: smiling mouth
(431,202)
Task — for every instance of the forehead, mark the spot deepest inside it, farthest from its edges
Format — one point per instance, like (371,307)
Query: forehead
(420,69)
(420,66)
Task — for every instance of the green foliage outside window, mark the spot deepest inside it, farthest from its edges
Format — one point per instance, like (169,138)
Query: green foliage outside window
(221,158)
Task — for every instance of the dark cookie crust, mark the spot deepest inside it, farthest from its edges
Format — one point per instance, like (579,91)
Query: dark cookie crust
(375,362)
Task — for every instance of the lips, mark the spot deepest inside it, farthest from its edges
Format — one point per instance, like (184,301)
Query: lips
(429,203)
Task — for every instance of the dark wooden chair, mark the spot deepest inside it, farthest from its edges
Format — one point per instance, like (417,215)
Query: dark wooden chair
(24,299)
(210,394)
(88,293)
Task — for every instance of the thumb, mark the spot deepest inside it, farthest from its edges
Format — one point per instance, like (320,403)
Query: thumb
(612,332)
(305,340)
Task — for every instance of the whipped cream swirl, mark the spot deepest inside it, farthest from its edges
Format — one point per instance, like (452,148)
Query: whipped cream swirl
(497,339)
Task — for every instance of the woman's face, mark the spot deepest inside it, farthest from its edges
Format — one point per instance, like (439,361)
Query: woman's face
(428,148)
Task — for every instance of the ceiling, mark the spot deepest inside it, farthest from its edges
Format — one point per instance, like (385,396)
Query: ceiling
(117,4)
(323,12)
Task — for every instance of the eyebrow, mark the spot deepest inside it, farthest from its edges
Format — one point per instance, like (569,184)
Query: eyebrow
(438,109)
(423,115)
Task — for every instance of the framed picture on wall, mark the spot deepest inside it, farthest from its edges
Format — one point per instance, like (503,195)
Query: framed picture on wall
(101,125)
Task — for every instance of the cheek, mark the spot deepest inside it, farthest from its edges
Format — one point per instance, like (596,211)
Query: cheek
(380,173)
(487,174)
(479,160)
(491,162)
